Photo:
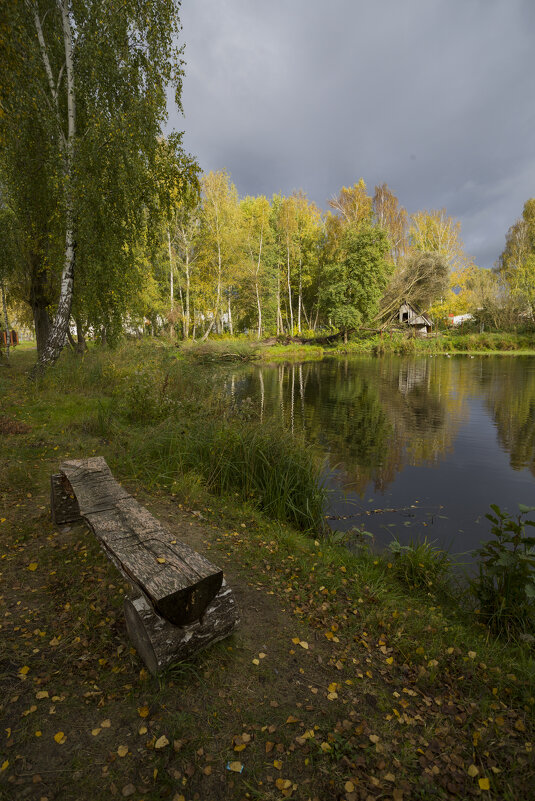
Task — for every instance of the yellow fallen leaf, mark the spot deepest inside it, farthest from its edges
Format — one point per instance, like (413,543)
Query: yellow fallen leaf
(374,738)
(389,777)
(283,784)
(143,730)
(106,723)
(160,559)
(161,742)
(349,787)
(484,784)
(256,661)
(60,737)
(122,750)
(143,711)
(262,655)
(54,641)
(304,645)
(38,733)
(277,764)
(235,767)
(41,694)
(32,566)
(24,670)
(239,747)
(519,726)
(332,696)
(389,660)
(207,770)
(5,764)
(333,686)
(472,654)
(3,520)
(292,719)
(96,731)
(325,747)
(473,771)
(295,640)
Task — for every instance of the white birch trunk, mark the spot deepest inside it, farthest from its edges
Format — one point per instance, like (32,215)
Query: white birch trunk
(6,319)
(291,312)
(58,333)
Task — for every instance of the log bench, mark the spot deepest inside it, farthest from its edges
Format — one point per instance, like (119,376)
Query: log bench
(180,602)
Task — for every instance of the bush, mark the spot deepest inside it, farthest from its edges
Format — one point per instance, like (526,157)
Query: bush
(505,587)
(420,566)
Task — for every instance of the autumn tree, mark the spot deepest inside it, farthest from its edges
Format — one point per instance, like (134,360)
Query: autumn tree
(517,261)
(353,204)
(392,217)
(435,232)
(219,242)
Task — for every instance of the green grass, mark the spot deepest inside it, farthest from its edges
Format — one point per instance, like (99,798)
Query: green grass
(373,627)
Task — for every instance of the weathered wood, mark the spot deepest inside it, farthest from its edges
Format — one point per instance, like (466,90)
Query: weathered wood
(159,643)
(63,504)
(179,582)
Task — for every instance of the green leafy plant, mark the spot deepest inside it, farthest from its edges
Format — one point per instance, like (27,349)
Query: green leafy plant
(505,587)
(420,565)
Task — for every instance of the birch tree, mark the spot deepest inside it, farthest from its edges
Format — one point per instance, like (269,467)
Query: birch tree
(82,124)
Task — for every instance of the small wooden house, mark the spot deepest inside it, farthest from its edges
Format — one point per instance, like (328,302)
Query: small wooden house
(410,315)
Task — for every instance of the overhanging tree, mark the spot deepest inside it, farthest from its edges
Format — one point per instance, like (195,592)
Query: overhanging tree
(80,127)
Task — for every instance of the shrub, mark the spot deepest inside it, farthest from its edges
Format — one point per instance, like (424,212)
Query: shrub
(420,565)
(505,587)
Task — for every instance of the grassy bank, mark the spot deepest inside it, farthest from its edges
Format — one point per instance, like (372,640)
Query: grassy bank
(342,682)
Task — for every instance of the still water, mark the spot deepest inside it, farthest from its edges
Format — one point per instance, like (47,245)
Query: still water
(415,447)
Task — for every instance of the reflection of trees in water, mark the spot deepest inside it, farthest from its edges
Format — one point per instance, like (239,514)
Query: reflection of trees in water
(371,416)
(511,401)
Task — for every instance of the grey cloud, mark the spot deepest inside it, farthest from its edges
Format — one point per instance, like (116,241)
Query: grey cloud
(435,97)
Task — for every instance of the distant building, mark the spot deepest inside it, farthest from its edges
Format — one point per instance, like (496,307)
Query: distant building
(459,319)
(410,315)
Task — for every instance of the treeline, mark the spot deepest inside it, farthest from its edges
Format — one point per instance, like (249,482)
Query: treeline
(280,265)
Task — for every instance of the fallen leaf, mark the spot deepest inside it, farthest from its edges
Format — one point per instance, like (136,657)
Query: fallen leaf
(160,559)
(127,790)
(349,787)
(374,738)
(484,784)
(256,661)
(473,771)
(24,670)
(96,731)
(304,645)
(60,737)
(292,719)
(122,750)
(389,777)
(32,566)
(472,654)
(277,764)
(142,730)
(239,747)
(397,795)
(41,694)
(5,764)
(235,767)
(283,784)
(106,724)
(143,711)
(161,742)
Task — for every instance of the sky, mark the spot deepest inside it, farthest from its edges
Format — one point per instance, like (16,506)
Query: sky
(436,98)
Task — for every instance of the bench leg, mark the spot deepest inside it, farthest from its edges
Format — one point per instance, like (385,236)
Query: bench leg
(63,505)
(159,643)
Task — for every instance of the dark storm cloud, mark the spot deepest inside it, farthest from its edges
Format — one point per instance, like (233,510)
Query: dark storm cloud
(435,97)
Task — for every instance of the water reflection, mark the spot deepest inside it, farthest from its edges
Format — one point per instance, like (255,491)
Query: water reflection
(442,437)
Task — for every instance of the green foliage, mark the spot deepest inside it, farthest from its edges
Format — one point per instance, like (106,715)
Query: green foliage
(420,566)
(263,465)
(357,276)
(505,587)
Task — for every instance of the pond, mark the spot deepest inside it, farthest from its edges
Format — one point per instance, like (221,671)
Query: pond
(415,447)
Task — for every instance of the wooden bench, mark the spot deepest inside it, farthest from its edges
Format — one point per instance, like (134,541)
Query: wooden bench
(180,601)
